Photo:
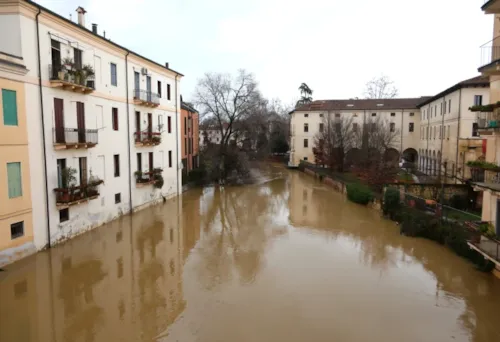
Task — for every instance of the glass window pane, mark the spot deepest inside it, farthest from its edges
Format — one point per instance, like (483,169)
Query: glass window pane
(14,179)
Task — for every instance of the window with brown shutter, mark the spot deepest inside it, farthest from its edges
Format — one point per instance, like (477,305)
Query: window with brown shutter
(169,124)
(114,112)
(168,92)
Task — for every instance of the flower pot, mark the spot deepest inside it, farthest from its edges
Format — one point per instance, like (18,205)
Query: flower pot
(61,75)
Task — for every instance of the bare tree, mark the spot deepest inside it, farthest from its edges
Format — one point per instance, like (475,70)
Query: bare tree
(335,138)
(381,88)
(228,101)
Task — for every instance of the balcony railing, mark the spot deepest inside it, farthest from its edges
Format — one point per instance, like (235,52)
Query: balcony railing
(488,120)
(146,178)
(147,137)
(146,97)
(484,240)
(71,80)
(74,195)
(75,137)
(490,53)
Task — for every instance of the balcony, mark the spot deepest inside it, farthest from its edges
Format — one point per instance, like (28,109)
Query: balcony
(147,138)
(490,58)
(144,179)
(485,175)
(74,80)
(146,98)
(484,240)
(74,138)
(73,195)
(491,6)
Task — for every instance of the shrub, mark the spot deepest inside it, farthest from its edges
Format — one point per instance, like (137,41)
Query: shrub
(359,193)
(197,176)
(392,202)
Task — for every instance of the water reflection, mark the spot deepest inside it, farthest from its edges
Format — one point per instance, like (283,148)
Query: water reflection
(286,259)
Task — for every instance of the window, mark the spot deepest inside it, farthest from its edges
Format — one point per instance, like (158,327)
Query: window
(410,127)
(169,124)
(444,107)
(337,115)
(321,127)
(434,132)
(118,198)
(393,127)
(306,115)
(412,114)
(169,158)
(116,165)
(338,127)
(306,127)
(305,158)
(82,163)
(159,89)
(449,106)
(441,108)
(475,133)
(435,110)
(355,127)
(440,129)
(78,58)
(63,215)
(114,112)
(478,100)
(449,131)
(427,133)
(393,114)
(14,180)
(168,92)
(119,267)
(114,76)
(16,230)
(374,114)
(9,105)
(321,115)
(306,143)
(185,145)
(185,126)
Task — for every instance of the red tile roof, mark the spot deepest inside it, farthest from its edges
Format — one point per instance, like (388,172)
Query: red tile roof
(362,104)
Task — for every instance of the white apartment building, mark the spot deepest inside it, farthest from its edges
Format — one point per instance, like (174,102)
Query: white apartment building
(106,127)
(449,136)
(403,116)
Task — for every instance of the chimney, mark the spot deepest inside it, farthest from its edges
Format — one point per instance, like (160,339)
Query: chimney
(94,28)
(166,65)
(81,15)
(104,34)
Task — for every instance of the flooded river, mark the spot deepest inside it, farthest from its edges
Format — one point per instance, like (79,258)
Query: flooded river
(284,260)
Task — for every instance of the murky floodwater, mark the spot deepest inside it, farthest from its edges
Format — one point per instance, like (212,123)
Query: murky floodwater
(284,260)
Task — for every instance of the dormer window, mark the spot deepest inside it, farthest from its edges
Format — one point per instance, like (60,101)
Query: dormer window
(380,104)
(350,105)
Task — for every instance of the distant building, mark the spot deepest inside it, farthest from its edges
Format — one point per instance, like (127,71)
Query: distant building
(189,137)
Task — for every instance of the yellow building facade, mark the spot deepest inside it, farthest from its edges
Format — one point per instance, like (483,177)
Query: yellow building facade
(16,222)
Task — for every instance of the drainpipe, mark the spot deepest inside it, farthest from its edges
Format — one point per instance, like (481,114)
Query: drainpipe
(442,139)
(44,148)
(128,136)
(176,137)
(402,128)
(458,135)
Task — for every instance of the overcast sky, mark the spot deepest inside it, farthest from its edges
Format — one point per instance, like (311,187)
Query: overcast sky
(335,46)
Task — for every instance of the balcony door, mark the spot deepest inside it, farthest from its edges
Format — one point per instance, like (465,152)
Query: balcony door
(137,85)
(151,162)
(150,125)
(148,87)
(138,126)
(56,58)
(59,120)
(82,163)
(80,120)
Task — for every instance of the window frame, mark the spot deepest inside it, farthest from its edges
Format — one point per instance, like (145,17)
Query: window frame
(306,143)
(10,121)
(111,65)
(63,217)
(17,235)
(114,119)
(118,198)
(11,193)
(116,165)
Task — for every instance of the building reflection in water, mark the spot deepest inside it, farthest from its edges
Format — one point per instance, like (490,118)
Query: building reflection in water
(121,282)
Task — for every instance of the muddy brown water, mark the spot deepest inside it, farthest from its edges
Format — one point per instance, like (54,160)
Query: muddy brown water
(284,260)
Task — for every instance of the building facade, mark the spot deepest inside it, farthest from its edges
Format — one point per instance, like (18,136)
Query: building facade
(449,135)
(402,115)
(189,137)
(16,219)
(103,126)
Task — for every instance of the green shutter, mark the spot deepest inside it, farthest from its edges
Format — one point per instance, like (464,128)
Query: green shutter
(9,107)
(14,178)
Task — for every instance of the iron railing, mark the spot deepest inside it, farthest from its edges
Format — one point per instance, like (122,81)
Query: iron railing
(488,120)
(486,242)
(148,136)
(146,96)
(59,73)
(490,52)
(65,135)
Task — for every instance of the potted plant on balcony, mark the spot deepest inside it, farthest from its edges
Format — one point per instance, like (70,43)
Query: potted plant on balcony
(156,139)
(89,74)
(68,183)
(78,74)
(92,185)
(67,67)
(138,176)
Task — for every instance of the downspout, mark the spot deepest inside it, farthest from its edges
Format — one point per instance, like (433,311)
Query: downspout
(442,139)
(176,137)
(458,135)
(44,148)
(402,129)
(128,137)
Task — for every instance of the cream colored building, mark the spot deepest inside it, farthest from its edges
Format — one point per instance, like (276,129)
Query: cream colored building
(402,114)
(16,219)
(449,135)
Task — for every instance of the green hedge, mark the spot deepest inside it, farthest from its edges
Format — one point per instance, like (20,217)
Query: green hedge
(392,203)
(359,193)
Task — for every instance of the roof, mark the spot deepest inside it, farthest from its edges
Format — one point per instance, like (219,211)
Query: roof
(478,81)
(187,106)
(362,104)
(41,8)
